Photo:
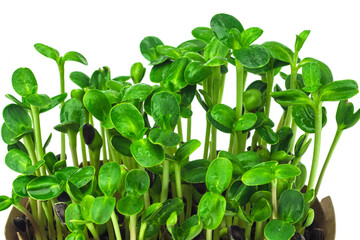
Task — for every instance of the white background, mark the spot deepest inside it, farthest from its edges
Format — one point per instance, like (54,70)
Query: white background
(109,32)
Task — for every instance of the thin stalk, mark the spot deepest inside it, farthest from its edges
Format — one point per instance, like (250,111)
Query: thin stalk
(207,140)
(61,66)
(248,230)
(274,198)
(213,143)
(146,194)
(188,191)
(38,142)
(223,232)
(292,86)
(269,85)
(110,148)
(38,234)
(217,233)
(110,231)
(208,234)
(188,127)
(254,141)
(294,130)
(104,152)
(133,227)
(179,128)
(91,119)
(327,160)
(222,85)
(231,143)
(83,150)
(240,85)
(95,160)
(116,227)
(93,231)
(259,231)
(317,143)
(142,230)
(165,181)
(177,170)
(72,144)
(50,219)
(281,121)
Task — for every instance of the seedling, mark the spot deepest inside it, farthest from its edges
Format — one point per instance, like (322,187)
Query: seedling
(142,181)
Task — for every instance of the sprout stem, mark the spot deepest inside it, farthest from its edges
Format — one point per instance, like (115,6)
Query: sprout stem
(142,230)
(328,157)
(133,227)
(104,152)
(317,143)
(61,66)
(93,231)
(38,234)
(179,128)
(259,231)
(269,85)
(116,226)
(248,230)
(292,86)
(207,140)
(274,198)
(110,230)
(38,142)
(50,219)
(83,150)
(72,144)
(208,234)
(188,130)
(165,181)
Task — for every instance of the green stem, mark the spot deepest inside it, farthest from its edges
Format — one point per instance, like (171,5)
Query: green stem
(61,66)
(188,191)
(231,143)
(207,140)
(72,144)
(104,152)
(274,198)
(38,142)
(269,85)
(208,234)
(177,170)
(179,128)
(254,141)
(37,232)
(59,235)
(248,230)
(258,231)
(95,160)
(317,143)
(116,226)
(327,160)
(146,194)
(110,148)
(165,181)
(188,129)
(281,121)
(292,86)
(213,143)
(239,88)
(50,219)
(93,231)
(142,230)
(133,227)
(83,150)
(223,232)
(110,231)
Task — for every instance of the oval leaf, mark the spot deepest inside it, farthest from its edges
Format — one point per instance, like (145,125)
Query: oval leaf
(146,153)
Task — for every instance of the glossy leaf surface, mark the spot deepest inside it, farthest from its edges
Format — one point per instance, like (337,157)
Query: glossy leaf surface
(146,153)
(211,210)
(165,110)
(195,171)
(137,182)
(44,188)
(109,178)
(47,51)
(97,104)
(254,56)
(130,205)
(102,208)
(174,78)
(218,175)
(291,206)
(279,230)
(222,117)
(338,90)
(73,213)
(221,24)
(164,137)
(304,117)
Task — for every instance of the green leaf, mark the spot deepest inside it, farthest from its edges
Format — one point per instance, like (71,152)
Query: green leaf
(211,210)
(158,72)
(8,136)
(86,204)
(137,91)
(97,104)
(130,205)
(254,56)
(165,110)
(216,61)
(196,72)
(203,33)
(304,117)
(17,161)
(215,48)
(300,180)
(291,206)
(252,100)
(300,40)
(191,227)
(218,175)
(47,51)
(286,171)
(187,95)
(167,208)
(137,72)
(38,100)
(168,51)
(128,120)
(75,56)
(44,188)
(267,134)
(174,79)
(56,100)
(261,210)
(345,116)
(281,156)
(326,75)
(150,212)
(98,80)
(186,149)
(80,79)
(146,153)
(221,24)
(222,117)
(17,101)
(250,35)
(338,90)
(279,51)
(20,183)
(75,236)
(164,137)
(195,171)
(292,97)
(34,167)
(5,203)
(258,176)
(102,208)
(301,145)
(73,212)
(193,45)
(285,135)
(24,82)
(240,193)
(73,111)
(137,182)
(279,230)
(109,178)
(312,76)
(148,48)
(73,191)
(121,144)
